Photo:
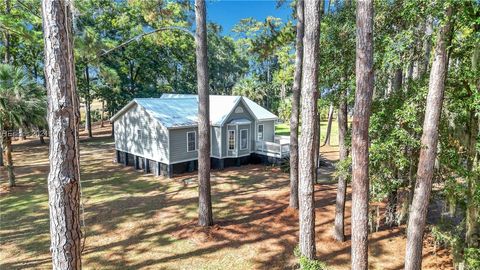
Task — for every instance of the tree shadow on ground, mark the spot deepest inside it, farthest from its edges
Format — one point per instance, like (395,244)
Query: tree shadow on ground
(137,221)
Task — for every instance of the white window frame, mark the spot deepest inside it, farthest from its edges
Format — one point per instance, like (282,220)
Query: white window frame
(258,132)
(139,135)
(234,140)
(195,141)
(246,147)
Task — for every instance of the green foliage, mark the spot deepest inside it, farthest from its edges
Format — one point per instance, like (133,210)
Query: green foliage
(395,130)
(285,109)
(308,264)
(343,169)
(269,49)
(472,258)
(447,234)
(250,87)
(22,100)
(152,65)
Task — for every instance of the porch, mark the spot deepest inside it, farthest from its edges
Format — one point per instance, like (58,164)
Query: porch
(280,148)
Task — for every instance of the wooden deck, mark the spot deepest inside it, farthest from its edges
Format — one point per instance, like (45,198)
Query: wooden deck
(279,149)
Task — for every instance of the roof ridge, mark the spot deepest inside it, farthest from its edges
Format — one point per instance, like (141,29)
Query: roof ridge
(157,98)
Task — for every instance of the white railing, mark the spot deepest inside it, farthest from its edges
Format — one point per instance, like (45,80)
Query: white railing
(282,139)
(272,148)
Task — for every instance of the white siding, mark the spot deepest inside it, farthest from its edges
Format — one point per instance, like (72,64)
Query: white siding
(178,145)
(268,130)
(153,141)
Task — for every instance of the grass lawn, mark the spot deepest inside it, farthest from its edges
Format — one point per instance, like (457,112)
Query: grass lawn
(138,221)
(284,129)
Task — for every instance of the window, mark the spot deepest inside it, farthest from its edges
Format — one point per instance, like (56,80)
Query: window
(139,135)
(239,110)
(191,141)
(243,139)
(231,140)
(260,132)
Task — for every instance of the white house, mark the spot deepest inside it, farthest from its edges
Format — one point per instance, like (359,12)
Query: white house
(159,135)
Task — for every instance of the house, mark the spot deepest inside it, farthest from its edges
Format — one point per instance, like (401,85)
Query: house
(159,135)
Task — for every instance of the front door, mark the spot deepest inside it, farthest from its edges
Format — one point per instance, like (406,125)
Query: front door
(244,140)
(232,141)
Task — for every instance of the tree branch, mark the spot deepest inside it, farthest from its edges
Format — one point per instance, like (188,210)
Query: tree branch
(137,38)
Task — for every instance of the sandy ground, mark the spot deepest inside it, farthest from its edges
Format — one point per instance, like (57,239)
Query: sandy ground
(137,221)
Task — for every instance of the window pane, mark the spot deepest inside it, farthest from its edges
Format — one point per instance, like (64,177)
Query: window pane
(231,140)
(191,144)
(260,132)
(244,139)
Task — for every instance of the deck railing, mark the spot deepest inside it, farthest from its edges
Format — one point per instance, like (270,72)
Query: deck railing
(273,149)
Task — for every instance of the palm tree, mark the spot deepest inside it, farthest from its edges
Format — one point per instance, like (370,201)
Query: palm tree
(22,104)
(251,88)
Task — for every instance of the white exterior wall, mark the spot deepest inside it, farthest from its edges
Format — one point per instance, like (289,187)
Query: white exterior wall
(153,141)
(268,130)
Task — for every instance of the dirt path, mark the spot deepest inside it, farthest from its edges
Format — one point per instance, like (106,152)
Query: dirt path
(137,221)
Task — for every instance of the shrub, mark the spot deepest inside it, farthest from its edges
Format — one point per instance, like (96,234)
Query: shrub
(472,258)
(308,264)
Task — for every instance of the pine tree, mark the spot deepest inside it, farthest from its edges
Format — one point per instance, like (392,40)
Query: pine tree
(63,118)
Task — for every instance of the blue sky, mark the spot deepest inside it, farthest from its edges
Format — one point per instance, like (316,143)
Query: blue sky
(227,13)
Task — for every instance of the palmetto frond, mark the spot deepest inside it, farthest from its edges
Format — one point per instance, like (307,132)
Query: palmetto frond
(22,100)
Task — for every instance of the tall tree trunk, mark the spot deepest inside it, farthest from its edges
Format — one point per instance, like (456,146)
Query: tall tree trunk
(361,118)
(417,49)
(88,101)
(307,139)
(392,199)
(63,118)
(397,79)
(102,115)
(428,152)
(427,45)
(329,126)
(21,134)
(339,232)
(7,36)
(204,199)
(391,208)
(2,138)
(8,155)
(6,61)
(316,145)
(42,139)
(409,74)
(473,181)
(294,118)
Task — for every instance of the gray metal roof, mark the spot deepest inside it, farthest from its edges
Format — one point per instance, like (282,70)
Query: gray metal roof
(242,121)
(176,110)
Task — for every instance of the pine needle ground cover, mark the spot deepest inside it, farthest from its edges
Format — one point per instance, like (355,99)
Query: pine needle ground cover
(137,221)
